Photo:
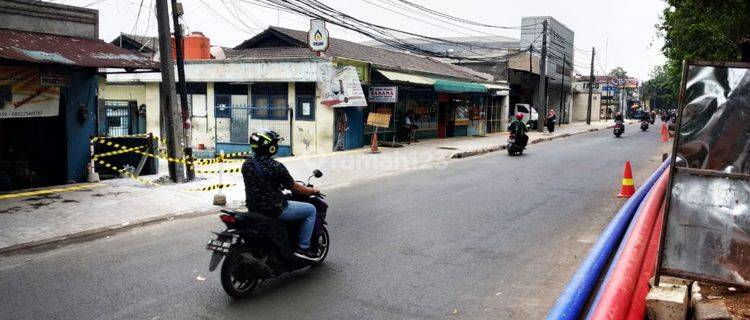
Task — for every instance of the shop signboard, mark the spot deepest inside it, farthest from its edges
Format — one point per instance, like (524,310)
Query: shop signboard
(383,94)
(706,234)
(22,94)
(380,120)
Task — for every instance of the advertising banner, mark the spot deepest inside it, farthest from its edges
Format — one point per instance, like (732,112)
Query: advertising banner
(343,89)
(23,96)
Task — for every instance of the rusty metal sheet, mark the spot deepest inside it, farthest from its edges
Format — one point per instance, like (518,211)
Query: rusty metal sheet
(63,50)
(708,233)
(707,228)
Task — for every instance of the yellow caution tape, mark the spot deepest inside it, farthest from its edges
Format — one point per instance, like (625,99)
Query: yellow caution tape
(233,170)
(112,153)
(125,172)
(215,187)
(49,191)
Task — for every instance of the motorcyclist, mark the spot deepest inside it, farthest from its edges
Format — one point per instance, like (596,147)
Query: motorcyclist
(518,127)
(265,180)
(620,119)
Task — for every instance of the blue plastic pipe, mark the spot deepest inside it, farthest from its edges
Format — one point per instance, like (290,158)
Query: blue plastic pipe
(573,298)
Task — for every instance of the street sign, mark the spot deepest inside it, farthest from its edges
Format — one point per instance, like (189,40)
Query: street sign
(383,94)
(317,37)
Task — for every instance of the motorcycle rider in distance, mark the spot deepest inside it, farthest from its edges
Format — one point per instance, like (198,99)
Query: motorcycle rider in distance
(620,119)
(265,180)
(518,128)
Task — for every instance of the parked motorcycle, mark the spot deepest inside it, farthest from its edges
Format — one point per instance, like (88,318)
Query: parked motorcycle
(256,247)
(644,125)
(405,135)
(619,129)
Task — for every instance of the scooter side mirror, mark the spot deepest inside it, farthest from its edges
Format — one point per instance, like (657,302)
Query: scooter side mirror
(317,173)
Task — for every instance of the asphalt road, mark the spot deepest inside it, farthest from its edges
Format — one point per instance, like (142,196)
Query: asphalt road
(487,237)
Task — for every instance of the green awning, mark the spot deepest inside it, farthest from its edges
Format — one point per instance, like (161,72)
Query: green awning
(451,86)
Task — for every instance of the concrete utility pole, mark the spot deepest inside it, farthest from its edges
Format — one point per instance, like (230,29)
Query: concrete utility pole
(169,108)
(543,81)
(591,86)
(182,85)
(562,93)
(531,77)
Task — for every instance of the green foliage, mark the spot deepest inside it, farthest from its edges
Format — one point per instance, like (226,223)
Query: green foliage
(660,88)
(697,30)
(618,72)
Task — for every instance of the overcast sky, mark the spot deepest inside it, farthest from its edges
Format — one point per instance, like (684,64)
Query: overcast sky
(623,32)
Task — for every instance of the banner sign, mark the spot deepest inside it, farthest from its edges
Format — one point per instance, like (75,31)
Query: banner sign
(317,37)
(707,218)
(343,89)
(22,94)
(383,94)
(381,120)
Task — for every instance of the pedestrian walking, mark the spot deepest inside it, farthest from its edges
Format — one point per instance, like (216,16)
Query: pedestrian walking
(551,120)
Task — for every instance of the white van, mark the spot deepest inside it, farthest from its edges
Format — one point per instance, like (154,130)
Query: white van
(524,108)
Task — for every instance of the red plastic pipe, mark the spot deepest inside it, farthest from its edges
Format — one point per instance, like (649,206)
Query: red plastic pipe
(638,301)
(615,300)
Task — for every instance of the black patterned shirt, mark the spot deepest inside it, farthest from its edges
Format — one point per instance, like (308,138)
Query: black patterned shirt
(265,179)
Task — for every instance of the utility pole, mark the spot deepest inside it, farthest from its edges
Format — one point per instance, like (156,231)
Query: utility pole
(591,86)
(182,85)
(543,80)
(531,79)
(562,93)
(169,109)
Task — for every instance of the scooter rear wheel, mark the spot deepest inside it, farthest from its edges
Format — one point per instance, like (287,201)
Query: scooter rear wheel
(238,281)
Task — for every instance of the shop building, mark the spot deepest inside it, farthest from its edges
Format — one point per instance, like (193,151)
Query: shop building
(319,104)
(50,55)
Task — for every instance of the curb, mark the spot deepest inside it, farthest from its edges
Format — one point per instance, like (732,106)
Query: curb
(470,153)
(54,242)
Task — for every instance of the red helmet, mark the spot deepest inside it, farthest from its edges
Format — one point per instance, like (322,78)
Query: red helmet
(519,116)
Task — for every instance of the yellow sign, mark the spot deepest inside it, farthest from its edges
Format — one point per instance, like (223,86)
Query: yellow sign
(382,120)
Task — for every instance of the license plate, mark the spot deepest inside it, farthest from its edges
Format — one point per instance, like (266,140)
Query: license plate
(219,245)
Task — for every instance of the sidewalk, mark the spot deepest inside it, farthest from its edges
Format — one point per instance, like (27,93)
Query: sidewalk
(36,220)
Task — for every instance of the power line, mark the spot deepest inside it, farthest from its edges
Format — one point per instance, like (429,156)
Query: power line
(445,15)
(386,35)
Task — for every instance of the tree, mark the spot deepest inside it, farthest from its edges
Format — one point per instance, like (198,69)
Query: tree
(705,29)
(659,89)
(618,72)
(700,30)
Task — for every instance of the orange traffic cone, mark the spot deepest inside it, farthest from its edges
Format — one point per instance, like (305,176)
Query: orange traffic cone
(374,143)
(664,133)
(628,187)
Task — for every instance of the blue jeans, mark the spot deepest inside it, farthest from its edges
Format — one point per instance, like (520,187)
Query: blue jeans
(296,210)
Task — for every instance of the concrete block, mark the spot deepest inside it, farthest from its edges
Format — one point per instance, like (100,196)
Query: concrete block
(667,302)
(711,309)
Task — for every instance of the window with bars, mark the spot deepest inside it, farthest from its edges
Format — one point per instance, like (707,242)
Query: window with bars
(269,100)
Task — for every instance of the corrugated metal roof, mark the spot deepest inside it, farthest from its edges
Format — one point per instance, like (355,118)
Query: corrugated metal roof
(54,49)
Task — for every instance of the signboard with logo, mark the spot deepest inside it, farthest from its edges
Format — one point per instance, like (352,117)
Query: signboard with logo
(23,95)
(383,94)
(317,37)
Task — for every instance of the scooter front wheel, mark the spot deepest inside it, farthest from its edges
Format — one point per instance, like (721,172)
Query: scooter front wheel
(323,245)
